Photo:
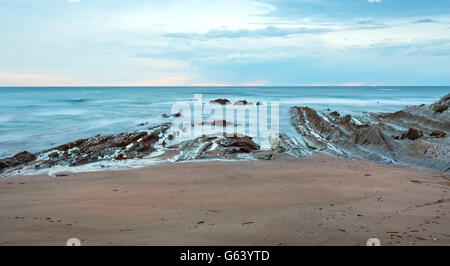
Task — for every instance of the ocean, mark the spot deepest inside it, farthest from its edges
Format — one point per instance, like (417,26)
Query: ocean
(37,118)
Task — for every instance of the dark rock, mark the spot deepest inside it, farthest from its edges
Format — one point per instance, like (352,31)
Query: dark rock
(173,115)
(3,165)
(243,102)
(412,134)
(220,101)
(335,114)
(347,119)
(439,108)
(53,155)
(237,144)
(70,145)
(217,123)
(17,160)
(438,134)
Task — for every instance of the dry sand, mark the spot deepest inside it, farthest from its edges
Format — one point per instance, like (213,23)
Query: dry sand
(311,201)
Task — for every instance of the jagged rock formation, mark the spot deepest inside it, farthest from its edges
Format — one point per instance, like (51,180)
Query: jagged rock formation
(119,147)
(415,135)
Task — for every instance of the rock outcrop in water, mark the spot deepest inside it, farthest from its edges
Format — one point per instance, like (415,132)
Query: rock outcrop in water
(414,135)
(220,101)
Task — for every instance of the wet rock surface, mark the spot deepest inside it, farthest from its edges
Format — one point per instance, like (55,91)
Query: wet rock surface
(215,147)
(18,159)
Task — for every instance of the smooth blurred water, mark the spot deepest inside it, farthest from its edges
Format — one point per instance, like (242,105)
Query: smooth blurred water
(35,118)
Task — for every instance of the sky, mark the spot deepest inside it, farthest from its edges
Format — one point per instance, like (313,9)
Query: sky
(224,42)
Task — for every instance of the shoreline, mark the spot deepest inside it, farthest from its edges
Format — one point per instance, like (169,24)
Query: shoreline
(317,200)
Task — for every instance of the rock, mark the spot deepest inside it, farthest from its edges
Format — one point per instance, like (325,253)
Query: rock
(412,134)
(53,155)
(120,157)
(243,102)
(215,146)
(237,144)
(220,101)
(216,123)
(70,145)
(439,108)
(169,116)
(335,114)
(438,134)
(264,155)
(126,145)
(347,119)
(17,160)
(3,165)
(374,137)
(259,103)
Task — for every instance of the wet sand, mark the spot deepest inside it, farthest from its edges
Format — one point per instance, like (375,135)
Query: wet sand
(317,200)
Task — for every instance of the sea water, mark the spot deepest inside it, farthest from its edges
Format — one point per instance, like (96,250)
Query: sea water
(37,118)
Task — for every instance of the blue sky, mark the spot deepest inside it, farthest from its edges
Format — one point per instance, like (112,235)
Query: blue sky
(224,42)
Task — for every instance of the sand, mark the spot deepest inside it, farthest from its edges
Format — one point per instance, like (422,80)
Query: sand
(317,200)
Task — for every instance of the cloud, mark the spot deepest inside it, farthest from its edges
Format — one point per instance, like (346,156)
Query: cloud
(374,1)
(73,1)
(425,21)
(31,79)
(270,31)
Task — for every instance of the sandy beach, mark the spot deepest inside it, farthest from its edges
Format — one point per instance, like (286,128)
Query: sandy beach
(317,200)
